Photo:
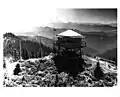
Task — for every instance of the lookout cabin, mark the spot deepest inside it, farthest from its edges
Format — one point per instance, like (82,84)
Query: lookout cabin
(69,41)
(68,47)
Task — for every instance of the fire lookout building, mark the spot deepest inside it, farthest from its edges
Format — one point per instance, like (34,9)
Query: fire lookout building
(68,47)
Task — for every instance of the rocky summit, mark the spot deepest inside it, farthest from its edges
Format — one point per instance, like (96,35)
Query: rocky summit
(42,72)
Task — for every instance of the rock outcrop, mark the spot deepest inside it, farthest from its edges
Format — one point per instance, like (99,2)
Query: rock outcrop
(42,72)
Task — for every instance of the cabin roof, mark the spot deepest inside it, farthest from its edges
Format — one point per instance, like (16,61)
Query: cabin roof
(70,33)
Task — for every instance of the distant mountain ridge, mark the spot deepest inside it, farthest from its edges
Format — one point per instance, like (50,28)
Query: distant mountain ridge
(110,54)
(89,51)
(85,27)
(99,37)
(94,43)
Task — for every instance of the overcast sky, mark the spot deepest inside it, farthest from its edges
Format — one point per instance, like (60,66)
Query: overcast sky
(87,15)
(25,19)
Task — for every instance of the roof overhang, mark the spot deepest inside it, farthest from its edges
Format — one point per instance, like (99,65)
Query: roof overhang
(70,33)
